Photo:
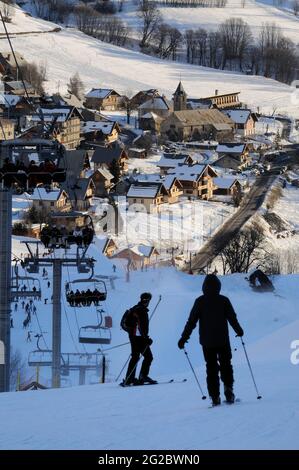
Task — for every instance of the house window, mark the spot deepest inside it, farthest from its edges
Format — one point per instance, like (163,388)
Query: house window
(52,204)
(40,203)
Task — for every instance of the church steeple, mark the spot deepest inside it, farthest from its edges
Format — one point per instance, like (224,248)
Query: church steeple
(180,98)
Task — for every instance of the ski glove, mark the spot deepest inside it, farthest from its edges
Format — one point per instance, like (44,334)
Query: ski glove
(240,333)
(181,343)
(149,341)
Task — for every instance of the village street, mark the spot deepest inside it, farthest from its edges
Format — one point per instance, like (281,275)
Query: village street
(249,206)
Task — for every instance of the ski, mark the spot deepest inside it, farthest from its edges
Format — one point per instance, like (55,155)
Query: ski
(171,381)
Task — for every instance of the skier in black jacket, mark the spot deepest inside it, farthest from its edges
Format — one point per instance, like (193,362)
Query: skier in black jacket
(140,342)
(213,311)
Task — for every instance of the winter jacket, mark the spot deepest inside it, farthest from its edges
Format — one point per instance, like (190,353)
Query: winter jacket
(213,312)
(140,312)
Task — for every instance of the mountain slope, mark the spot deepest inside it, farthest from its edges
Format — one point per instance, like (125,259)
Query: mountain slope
(103,65)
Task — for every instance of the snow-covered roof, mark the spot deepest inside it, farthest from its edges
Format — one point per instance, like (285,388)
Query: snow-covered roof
(190,173)
(144,191)
(150,115)
(105,126)
(49,114)
(155,103)
(142,250)
(100,93)
(239,116)
(170,162)
(230,148)
(224,182)
(40,194)
(9,100)
(168,181)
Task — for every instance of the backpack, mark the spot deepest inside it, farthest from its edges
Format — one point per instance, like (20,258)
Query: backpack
(129,320)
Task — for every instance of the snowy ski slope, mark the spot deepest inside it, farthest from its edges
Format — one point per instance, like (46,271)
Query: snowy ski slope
(167,416)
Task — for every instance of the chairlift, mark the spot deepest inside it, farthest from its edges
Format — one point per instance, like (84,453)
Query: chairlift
(94,335)
(40,357)
(20,172)
(96,292)
(68,228)
(19,292)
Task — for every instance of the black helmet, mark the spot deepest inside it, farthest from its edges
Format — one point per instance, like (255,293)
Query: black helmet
(145,296)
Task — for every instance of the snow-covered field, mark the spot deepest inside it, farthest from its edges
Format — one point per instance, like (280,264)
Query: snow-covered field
(254,13)
(167,416)
(103,65)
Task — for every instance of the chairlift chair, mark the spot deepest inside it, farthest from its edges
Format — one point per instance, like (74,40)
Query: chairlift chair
(21,178)
(56,239)
(94,335)
(40,357)
(98,285)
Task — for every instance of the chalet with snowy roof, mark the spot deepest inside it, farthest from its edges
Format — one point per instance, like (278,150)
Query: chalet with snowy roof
(100,131)
(147,196)
(103,99)
(16,87)
(218,101)
(52,201)
(103,182)
(7,129)
(226,185)
(158,105)
(80,191)
(171,183)
(67,100)
(103,157)
(197,181)
(64,122)
(170,161)
(136,152)
(244,120)
(233,155)
(143,96)
(199,124)
(139,256)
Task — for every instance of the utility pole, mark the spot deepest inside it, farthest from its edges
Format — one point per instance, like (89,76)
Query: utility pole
(5,283)
(56,323)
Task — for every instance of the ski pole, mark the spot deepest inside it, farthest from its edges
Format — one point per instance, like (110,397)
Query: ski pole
(203,396)
(152,314)
(248,362)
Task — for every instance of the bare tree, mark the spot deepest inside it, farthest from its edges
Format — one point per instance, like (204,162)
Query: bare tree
(151,20)
(7,10)
(17,369)
(236,38)
(76,86)
(35,74)
(245,249)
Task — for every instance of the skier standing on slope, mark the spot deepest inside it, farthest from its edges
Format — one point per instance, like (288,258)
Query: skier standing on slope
(137,326)
(213,311)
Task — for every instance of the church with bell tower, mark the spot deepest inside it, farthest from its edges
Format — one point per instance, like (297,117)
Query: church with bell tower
(180,98)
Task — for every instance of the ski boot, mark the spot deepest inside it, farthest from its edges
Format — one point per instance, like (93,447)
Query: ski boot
(146,380)
(229,394)
(216,401)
